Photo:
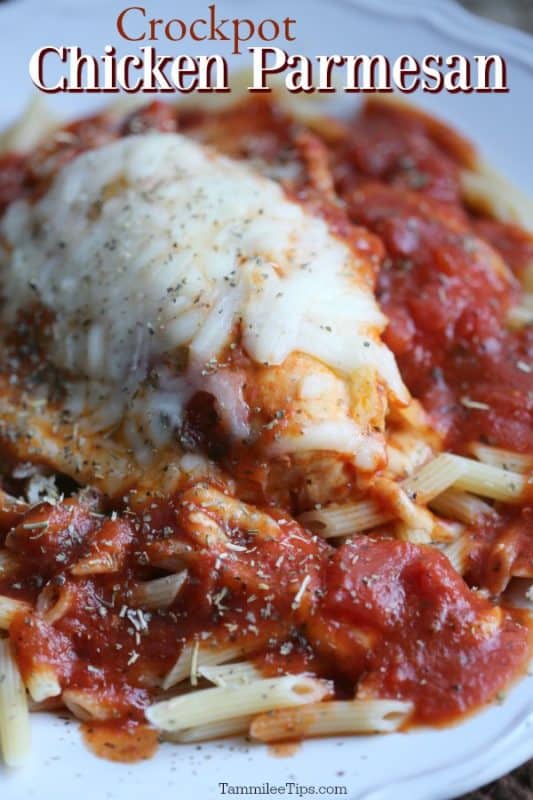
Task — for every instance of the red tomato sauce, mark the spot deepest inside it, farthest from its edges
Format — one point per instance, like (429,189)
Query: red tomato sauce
(407,150)
(125,744)
(436,648)
(446,282)
(500,546)
(393,616)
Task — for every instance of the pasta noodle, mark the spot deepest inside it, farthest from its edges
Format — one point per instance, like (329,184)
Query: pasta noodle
(489,481)
(457,553)
(230,674)
(15,736)
(485,187)
(335,521)
(504,459)
(461,506)
(520,316)
(236,726)
(429,481)
(206,656)
(54,602)
(87,707)
(331,719)
(43,683)
(8,610)
(434,478)
(426,486)
(215,705)
(34,125)
(159,593)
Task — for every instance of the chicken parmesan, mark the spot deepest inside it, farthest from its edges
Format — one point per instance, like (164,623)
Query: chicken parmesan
(265,409)
(163,273)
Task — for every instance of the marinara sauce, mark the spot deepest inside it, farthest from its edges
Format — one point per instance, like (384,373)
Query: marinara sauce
(448,280)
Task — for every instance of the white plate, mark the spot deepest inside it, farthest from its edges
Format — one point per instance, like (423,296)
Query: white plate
(422,765)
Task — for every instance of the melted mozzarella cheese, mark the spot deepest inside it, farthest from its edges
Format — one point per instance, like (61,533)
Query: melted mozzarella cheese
(153,244)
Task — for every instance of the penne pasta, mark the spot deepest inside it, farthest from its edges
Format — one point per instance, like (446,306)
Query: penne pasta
(87,706)
(504,459)
(343,520)
(489,481)
(332,718)
(220,703)
(54,602)
(9,607)
(461,506)
(35,124)
(52,704)
(426,486)
(194,656)
(159,593)
(231,674)
(429,481)
(15,735)
(98,564)
(170,563)
(487,188)
(236,726)
(521,315)
(457,553)
(434,478)
(43,683)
